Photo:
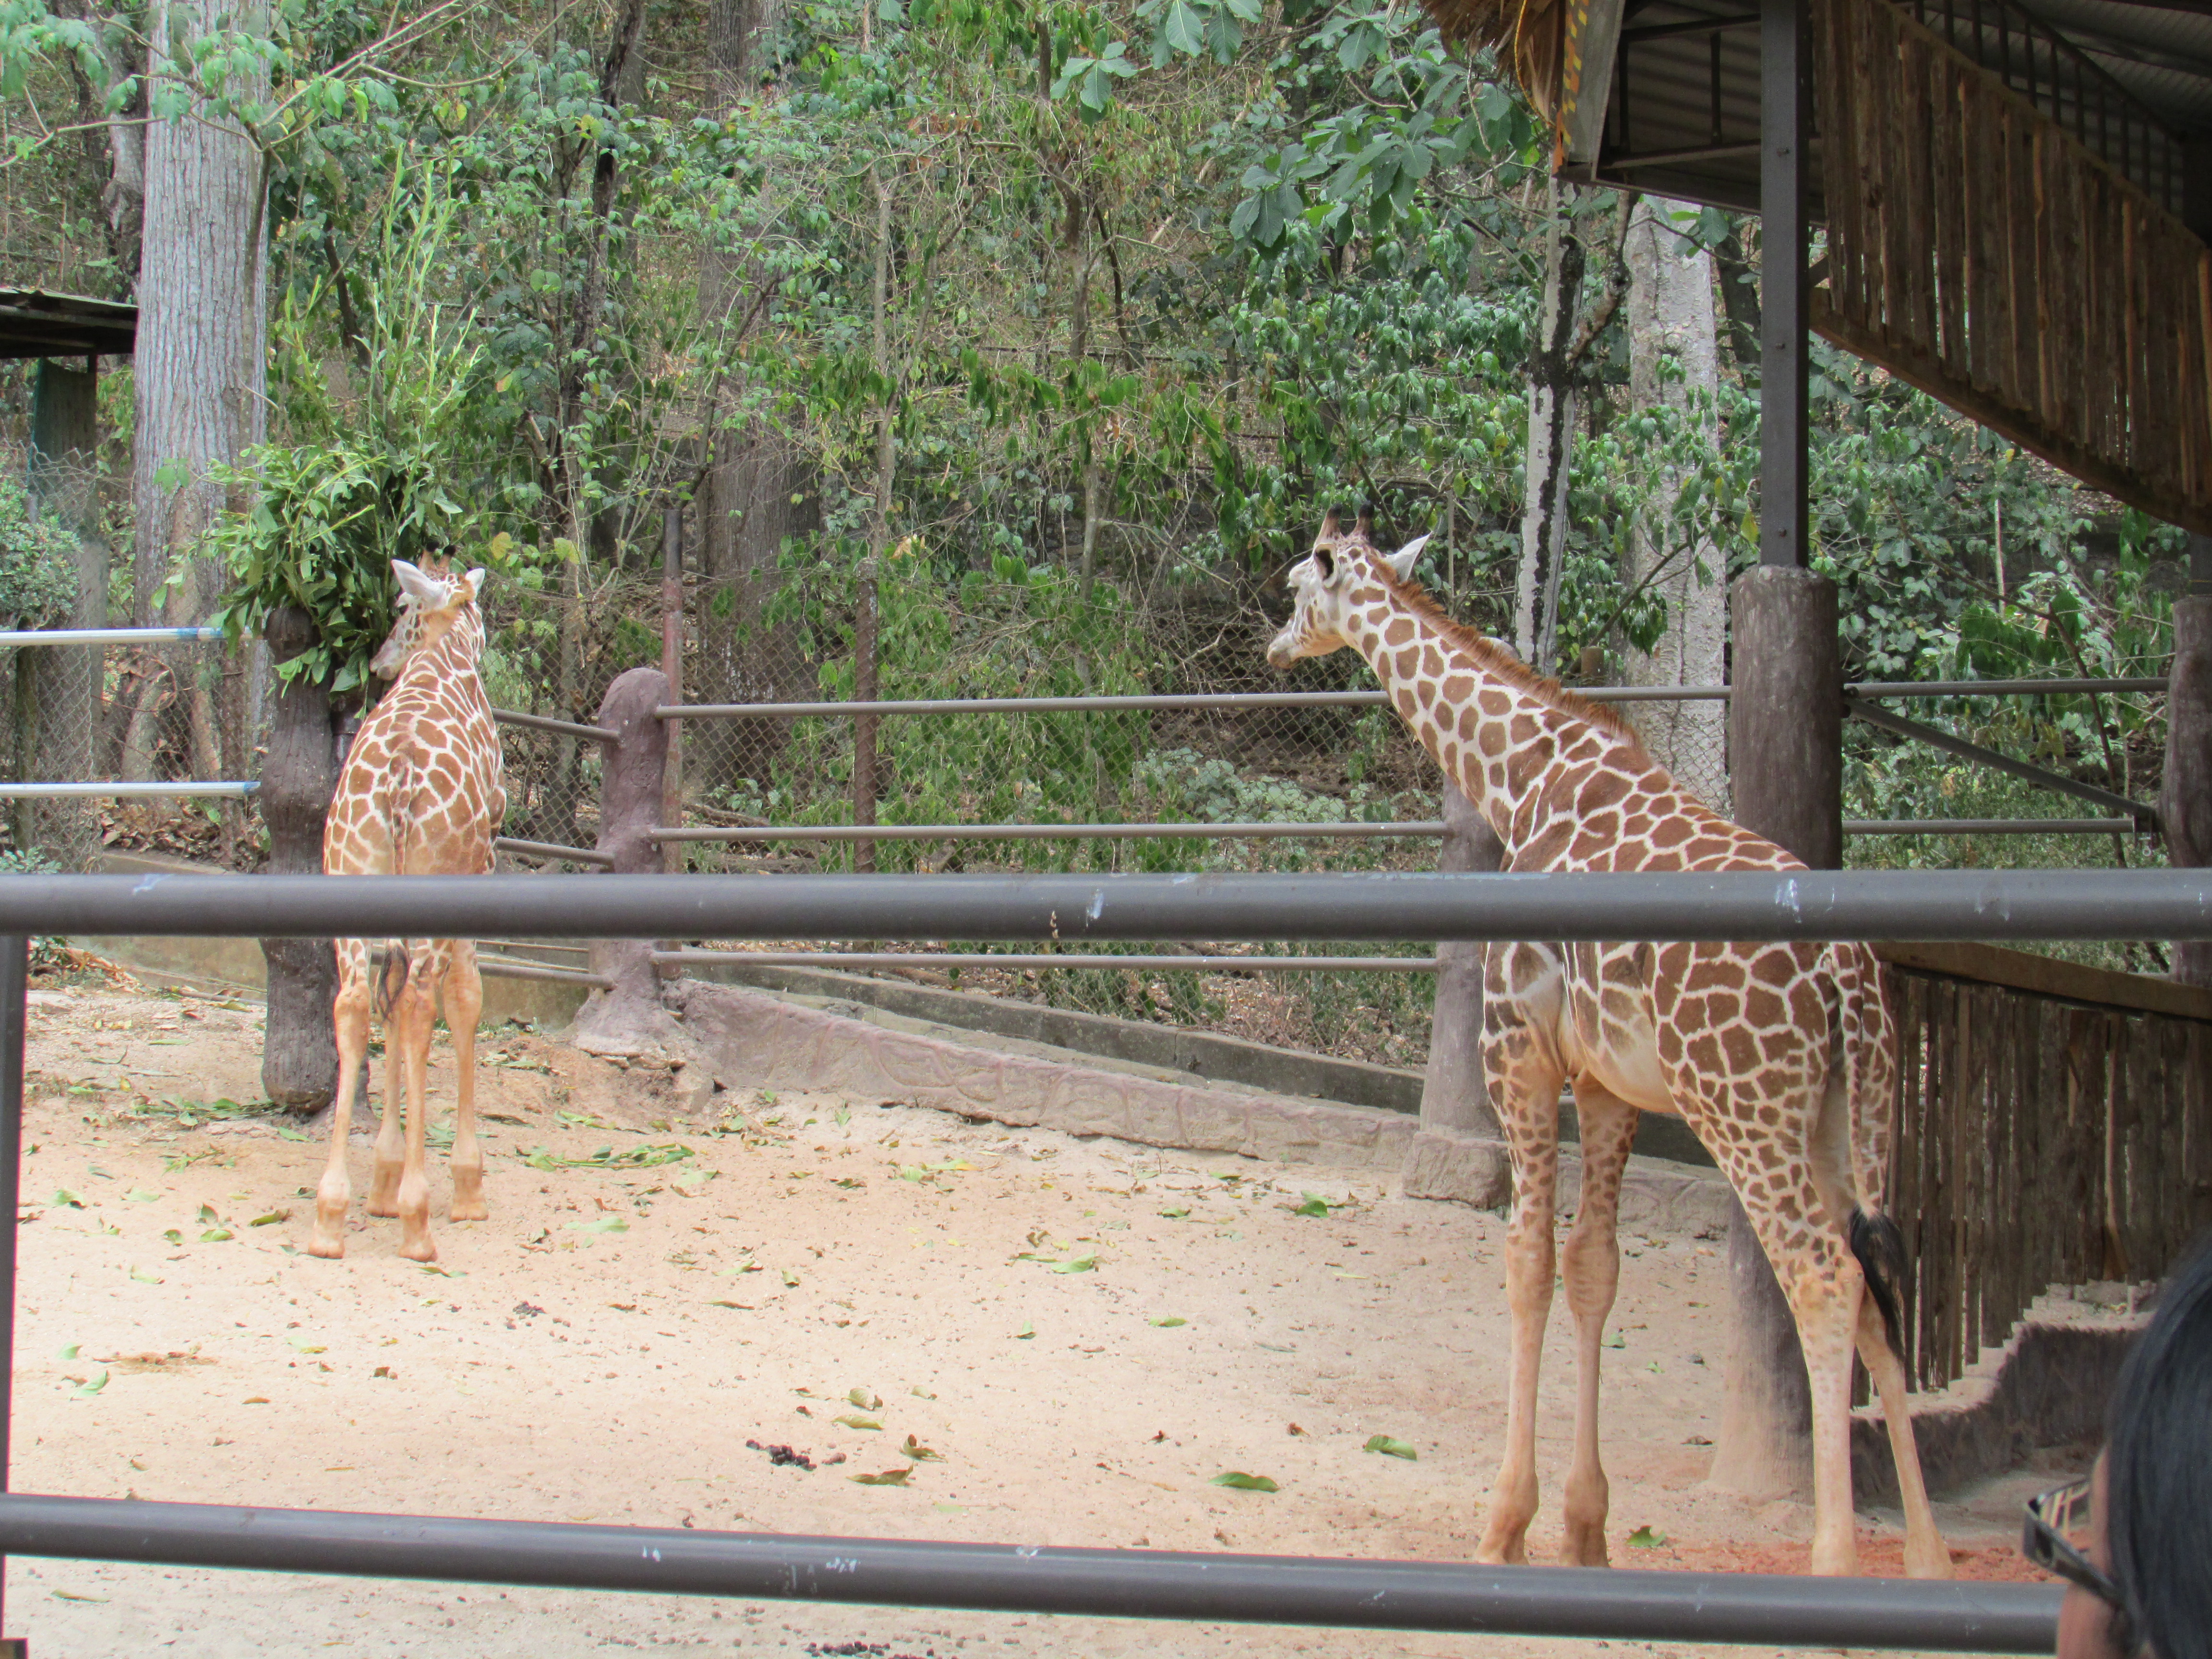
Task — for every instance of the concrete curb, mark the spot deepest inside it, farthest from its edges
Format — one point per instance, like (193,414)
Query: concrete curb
(762,1039)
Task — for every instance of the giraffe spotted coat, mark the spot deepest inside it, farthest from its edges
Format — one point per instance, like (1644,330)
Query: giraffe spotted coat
(1779,1055)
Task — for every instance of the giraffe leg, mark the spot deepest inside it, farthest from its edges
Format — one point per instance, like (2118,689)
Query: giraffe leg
(412,1022)
(1524,1091)
(1592,1264)
(1926,1555)
(349,1015)
(390,1134)
(464,1001)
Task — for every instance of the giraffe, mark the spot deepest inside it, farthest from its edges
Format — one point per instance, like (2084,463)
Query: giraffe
(1778,1055)
(420,795)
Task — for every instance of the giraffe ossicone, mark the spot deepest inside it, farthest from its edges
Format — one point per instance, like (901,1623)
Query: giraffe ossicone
(1777,1056)
(420,795)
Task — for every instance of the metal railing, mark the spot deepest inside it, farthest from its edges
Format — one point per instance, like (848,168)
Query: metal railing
(1551,1602)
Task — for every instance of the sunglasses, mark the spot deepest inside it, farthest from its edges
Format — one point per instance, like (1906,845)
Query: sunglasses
(2051,1515)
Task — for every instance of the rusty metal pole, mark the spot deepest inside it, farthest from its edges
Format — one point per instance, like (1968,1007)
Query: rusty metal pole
(671,669)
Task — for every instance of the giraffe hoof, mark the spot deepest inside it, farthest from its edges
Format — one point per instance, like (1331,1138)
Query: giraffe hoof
(468,1196)
(1585,1548)
(1927,1561)
(331,1250)
(419,1249)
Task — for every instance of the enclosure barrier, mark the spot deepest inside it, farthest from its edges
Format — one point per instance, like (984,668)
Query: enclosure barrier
(1269,830)
(1555,1601)
(1095,960)
(1276,1589)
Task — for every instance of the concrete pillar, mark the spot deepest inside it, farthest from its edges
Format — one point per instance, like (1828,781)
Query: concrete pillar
(1453,1097)
(632,770)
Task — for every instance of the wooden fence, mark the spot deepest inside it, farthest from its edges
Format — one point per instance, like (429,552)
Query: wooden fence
(1980,251)
(2054,1127)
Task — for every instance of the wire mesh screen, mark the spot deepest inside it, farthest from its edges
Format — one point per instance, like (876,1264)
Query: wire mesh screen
(150,712)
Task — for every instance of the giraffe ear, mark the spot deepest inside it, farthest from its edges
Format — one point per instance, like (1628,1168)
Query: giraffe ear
(1401,562)
(415,587)
(475,581)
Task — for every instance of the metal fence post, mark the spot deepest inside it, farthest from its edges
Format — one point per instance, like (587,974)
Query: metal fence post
(671,669)
(14,976)
(863,726)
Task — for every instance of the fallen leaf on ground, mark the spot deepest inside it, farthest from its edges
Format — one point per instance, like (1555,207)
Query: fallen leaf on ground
(1244,1482)
(1390,1447)
(852,1422)
(888,1478)
(1646,1538)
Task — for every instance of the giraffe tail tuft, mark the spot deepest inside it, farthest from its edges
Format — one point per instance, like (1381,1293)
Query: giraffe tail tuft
(1878,1243)
(393,979)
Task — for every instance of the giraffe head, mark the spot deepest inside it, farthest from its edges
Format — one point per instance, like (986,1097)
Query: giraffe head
(1343,572)
(425,600)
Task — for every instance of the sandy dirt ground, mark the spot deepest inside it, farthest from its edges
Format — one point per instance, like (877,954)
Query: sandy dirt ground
(1062,1341)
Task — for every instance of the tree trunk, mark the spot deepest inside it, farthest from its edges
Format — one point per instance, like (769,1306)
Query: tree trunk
(1673,360)
(299,1052)
(200,370)
(864,783)
(115,148)
(64,483)
(760,486)
(1552,402)
(2185,801)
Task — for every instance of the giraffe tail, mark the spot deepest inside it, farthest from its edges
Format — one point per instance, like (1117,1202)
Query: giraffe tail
(1878,1243)
(393,980)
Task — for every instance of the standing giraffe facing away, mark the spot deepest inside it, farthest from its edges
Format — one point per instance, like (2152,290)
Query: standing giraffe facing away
(419,795)
(1777,1056)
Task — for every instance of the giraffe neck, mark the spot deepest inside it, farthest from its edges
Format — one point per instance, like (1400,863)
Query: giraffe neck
(1495,731)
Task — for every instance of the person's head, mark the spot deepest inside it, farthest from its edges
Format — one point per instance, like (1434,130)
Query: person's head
(2148,1588)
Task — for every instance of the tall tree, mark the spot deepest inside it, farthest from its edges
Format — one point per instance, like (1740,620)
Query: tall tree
(759,485)
(1674,363)
(200,366)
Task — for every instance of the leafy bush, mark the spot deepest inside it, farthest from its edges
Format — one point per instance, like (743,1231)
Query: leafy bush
(38,562)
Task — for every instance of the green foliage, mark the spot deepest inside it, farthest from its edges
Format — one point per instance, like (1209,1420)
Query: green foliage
(393,467)
(38,562)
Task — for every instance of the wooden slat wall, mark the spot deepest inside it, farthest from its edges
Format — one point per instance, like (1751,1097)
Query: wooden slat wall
(1976,249)
(2038,1142)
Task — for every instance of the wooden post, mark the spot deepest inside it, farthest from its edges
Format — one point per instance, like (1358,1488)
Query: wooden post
(863,726)
(632,771)
(671,671)
(2184,805)
(64,485)
(1785,726)
(299,775)
(1453,1095)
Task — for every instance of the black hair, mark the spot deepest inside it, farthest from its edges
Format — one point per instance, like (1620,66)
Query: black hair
(2157,1516)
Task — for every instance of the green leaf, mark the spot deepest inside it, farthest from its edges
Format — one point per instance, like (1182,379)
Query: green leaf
(1026,1332)
(888,1478)
(63,1195)
(140,1195)
(1315,1205)
(1646,1538)
(271,1220)
(920,1453)
(1081,1264)
(92,1388)
(173,1235)
(70,1351)
(216,1235)
(1244,1482)
(605,1224)
(855,1422)
(790,1279)
(207,1215)
(1170,1322)
(1390,1447)
(305,1344)
(145,1278)
(866,1400)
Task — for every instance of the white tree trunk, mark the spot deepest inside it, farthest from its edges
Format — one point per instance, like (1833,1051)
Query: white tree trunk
(1552,406)
(202,353)
(1673,360)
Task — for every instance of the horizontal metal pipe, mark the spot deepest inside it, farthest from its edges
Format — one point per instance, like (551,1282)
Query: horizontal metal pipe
(547,723)
(533,944)
(548,849)
(2042,777)
(1122,1584)
(508,967)
(1989,826)
(1090,959)
(1046,831)
(232,788)
(108,635)
(1369,699)
(1810,904)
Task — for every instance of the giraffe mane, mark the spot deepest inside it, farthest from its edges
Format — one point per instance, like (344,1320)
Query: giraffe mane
(1497,661)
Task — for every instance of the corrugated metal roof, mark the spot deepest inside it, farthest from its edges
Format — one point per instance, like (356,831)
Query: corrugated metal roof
(36,324)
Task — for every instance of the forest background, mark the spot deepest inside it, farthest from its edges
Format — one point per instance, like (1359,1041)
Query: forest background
(1023,343)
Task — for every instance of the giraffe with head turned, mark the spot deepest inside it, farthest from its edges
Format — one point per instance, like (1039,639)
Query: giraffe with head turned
(1777,1056)
(419,795)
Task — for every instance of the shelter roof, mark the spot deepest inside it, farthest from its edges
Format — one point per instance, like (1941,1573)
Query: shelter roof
(36,324)
(1667,98)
